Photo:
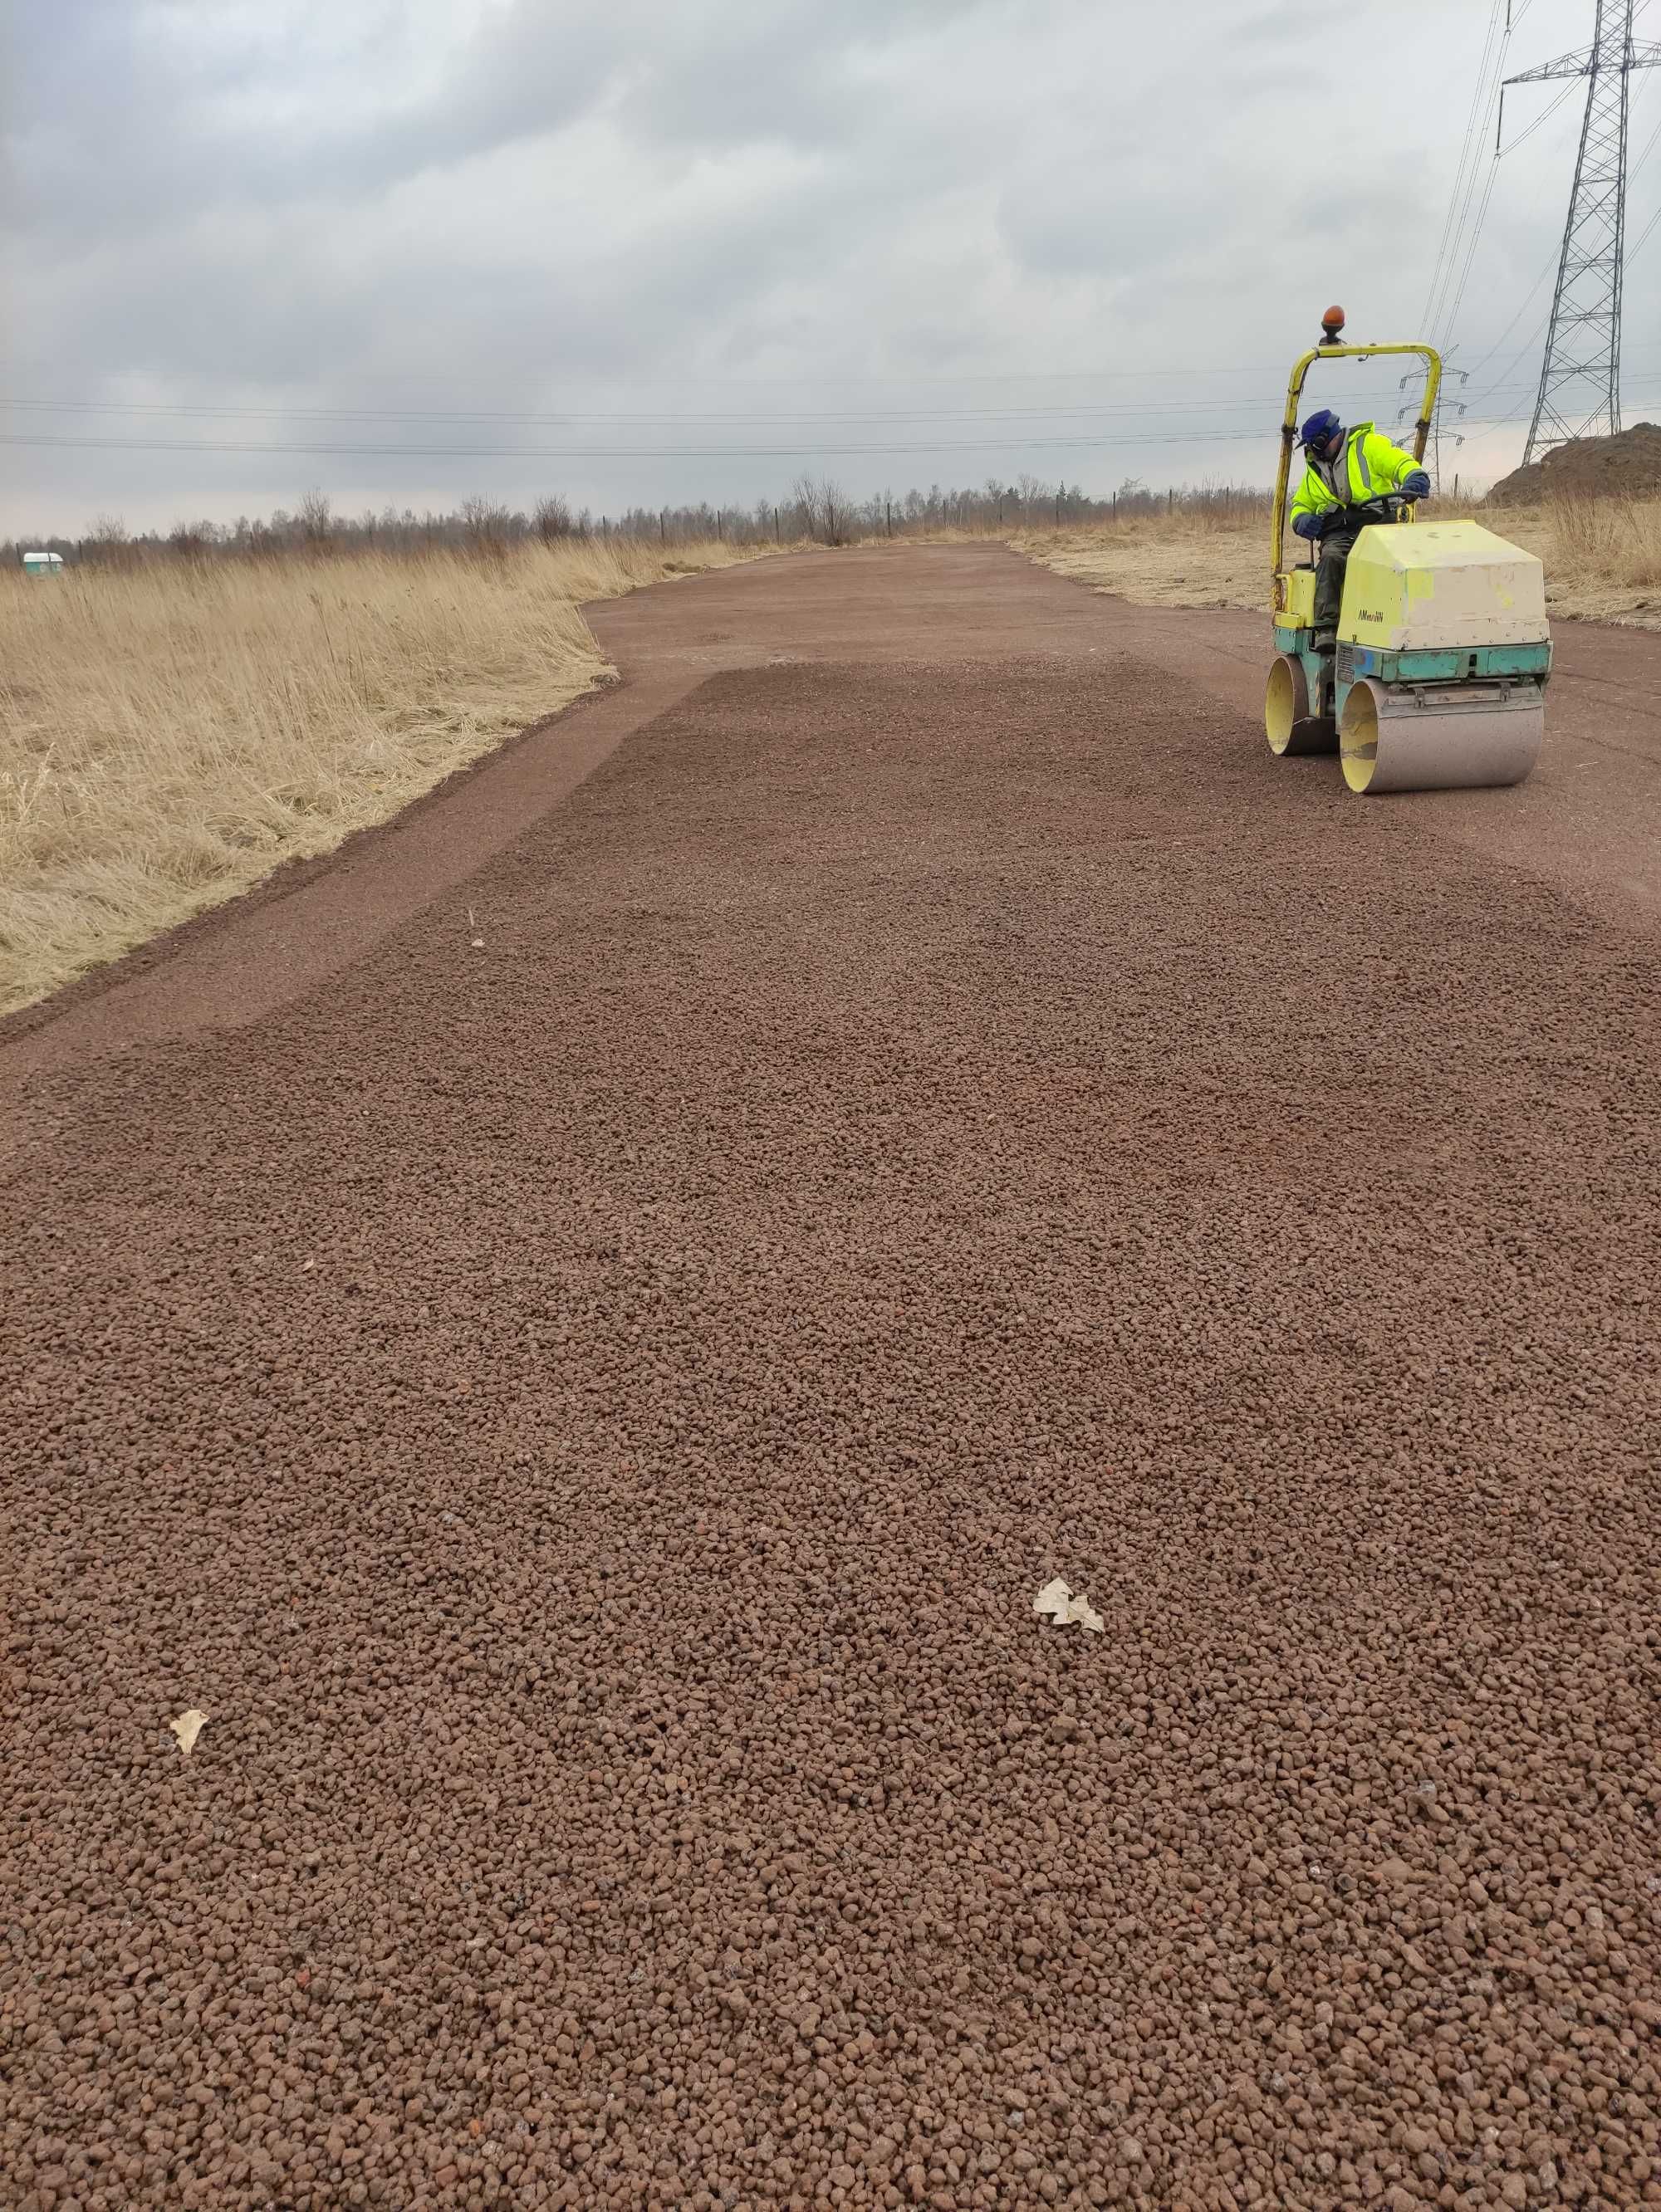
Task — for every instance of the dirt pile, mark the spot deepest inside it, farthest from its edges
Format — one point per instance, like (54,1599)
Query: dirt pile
(586,1414)
(1628,467)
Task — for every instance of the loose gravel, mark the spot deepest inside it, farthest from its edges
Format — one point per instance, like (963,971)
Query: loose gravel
(585,1416)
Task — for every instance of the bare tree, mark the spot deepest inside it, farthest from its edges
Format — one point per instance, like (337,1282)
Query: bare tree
(315,516)
(488,523)
(550,518)
(827,509)
(108,543)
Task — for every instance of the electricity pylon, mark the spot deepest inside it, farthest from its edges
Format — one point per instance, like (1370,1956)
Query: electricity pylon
(1580,392)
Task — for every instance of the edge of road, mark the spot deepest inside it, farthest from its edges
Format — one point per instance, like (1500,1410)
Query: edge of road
(236,961)
(241,959)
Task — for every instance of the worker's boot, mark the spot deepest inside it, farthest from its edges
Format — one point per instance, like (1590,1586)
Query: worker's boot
(1326,643)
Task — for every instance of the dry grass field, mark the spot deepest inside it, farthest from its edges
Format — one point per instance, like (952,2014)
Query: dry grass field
(1602,557)
(171,733)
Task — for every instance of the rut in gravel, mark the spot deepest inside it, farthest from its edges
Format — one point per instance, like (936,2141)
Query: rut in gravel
(585,1415)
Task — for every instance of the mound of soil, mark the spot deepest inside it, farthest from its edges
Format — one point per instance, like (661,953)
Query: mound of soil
(1630,464)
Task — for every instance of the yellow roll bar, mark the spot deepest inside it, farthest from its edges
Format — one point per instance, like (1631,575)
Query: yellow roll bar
(1328,351)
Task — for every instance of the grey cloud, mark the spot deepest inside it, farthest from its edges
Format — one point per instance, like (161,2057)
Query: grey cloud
(113,142)
(705,206)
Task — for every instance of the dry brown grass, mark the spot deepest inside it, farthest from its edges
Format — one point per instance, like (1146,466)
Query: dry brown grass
(171,735)
(1161,562)
(1602,558)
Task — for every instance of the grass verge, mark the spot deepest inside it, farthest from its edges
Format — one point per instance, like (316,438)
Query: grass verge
(171,735)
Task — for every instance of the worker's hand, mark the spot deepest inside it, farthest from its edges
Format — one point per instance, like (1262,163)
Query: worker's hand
(1335,518)
(1415,485)
(1306,525)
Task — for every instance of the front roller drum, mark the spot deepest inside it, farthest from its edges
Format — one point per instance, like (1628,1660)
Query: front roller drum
(1291,727)
(1463,737)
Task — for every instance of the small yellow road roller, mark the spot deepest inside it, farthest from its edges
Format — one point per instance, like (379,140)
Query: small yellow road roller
(1438,679)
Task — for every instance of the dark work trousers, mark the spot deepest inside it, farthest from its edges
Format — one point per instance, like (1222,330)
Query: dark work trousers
(1335,548)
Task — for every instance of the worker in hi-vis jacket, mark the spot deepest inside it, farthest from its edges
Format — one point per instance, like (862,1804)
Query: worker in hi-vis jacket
(1347,474)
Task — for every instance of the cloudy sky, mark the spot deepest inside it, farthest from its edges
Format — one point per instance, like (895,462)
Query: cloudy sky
(407,251)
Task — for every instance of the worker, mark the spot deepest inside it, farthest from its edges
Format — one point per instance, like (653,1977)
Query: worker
(1348,473)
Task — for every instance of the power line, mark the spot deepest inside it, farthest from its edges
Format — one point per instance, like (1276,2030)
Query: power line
(1579,393)
(1644,237)
(1527,298)
(1527,347)
(1453,317)
(623,453)
(1540,120)
(174,407)
(1648,230)
(654,453)
(1437,279)
(1552,260)
(9,362)
(1068,409)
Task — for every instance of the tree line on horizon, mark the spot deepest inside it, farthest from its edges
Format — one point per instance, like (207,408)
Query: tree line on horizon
(815,510)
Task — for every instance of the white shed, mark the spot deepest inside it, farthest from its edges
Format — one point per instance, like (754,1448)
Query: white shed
(43,564)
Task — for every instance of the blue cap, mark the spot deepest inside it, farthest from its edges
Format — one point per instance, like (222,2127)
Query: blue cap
(1321,426)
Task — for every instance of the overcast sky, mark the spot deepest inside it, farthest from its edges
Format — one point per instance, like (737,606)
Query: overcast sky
(713,242)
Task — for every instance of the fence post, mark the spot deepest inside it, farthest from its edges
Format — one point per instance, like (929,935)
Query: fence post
(663,525)
(1455,483)
(1171,500)
(718,531)
(1116,506)
(888,505)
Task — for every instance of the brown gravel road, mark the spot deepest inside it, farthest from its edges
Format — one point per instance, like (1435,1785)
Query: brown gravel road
(584,1415)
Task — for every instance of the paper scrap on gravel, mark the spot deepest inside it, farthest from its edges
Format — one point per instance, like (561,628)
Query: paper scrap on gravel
(187,1728)
(1057,1601)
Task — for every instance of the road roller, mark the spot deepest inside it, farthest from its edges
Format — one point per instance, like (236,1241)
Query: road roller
(1438,679)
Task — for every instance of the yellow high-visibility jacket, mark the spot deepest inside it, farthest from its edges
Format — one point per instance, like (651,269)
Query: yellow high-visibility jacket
(1374,466)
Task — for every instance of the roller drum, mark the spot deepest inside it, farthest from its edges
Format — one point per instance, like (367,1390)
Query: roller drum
(1463,737)
(1291,728)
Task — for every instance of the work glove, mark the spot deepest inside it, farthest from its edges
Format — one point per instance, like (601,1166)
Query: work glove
(1306,525)
(1335,518)
(1415,485)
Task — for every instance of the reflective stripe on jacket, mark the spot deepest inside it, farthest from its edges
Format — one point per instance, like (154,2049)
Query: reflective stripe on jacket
(1373,466)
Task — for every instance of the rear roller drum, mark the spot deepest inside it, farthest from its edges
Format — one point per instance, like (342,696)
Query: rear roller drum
(1290,726)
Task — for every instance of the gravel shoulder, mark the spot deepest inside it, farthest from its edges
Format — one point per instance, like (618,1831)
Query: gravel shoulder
(585,1413)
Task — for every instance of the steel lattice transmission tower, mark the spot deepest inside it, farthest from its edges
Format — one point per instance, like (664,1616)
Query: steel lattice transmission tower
(1580,377)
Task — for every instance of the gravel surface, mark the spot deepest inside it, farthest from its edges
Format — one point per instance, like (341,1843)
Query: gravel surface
(585,1416)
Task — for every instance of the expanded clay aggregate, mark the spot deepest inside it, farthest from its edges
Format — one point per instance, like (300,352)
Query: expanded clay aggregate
(586,1416)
